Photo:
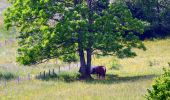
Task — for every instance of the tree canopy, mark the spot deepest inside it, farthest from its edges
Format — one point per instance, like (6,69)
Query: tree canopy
(53,28)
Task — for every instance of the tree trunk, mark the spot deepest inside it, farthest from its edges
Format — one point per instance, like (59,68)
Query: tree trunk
(89,50)
(85,67)
(89,58)
(82,69)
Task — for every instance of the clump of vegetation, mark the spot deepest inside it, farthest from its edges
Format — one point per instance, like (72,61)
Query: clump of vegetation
(7,75)
(68,77)
(63,76)
(169,64)
(161,87)
(115,64)
(153,63)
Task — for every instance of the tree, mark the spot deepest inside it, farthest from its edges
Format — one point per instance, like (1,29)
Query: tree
(156,12)
(53,28)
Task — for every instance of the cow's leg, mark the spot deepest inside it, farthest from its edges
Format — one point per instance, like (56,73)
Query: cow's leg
(103,76)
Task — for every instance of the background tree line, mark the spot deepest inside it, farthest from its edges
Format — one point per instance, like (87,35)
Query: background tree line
(156,12)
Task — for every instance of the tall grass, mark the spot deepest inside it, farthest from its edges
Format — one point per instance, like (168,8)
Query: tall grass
(77,90)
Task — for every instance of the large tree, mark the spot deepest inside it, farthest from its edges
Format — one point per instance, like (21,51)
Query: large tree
(52,28)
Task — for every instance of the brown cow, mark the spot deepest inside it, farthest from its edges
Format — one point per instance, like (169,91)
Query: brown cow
(99,70)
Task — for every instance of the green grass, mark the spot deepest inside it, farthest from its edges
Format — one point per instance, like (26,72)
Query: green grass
(79,90)
(129,82)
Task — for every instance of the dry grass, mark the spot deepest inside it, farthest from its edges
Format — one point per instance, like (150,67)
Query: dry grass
(3,4)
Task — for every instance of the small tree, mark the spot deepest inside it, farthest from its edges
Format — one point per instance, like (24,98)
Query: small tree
(161,87)
(53,28)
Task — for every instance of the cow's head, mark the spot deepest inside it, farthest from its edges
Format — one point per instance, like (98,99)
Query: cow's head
(93,71)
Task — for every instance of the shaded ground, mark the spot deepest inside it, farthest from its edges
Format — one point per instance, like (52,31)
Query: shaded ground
(110,78)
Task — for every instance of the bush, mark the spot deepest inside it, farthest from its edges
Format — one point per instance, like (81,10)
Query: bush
(63,76)
(115,64)
(7,75)
(68,76)
(161,87)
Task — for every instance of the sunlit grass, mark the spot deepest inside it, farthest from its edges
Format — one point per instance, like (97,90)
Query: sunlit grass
(151,61)
(78,90)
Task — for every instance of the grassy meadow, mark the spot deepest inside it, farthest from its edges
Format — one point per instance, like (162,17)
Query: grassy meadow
(126,79)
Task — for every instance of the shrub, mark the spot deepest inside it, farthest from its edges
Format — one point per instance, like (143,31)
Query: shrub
(63,76)
(68,76)
(7,75)
(161,87)
(115,64)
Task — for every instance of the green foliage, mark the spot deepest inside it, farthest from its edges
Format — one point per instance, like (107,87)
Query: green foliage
(63,76)
(169,64)
(161,87)
(69,58)
(115,64)
(156,12)
(106,28)
(7,75)
(68,77)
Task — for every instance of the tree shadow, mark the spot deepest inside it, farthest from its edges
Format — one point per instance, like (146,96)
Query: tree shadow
(115,79)
(63,76)
(110,78)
